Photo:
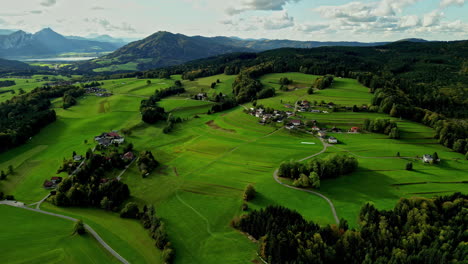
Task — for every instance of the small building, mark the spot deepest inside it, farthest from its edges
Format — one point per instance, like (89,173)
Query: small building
(56,180)
(48,184)
(316,128)
(335,129)
(296,122)
(332,140)
(354,129)
(128,156)
(322,134)
(77,157)
(427,158)
(315,111)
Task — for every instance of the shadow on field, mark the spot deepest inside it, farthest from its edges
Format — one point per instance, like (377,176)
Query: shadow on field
(261,200)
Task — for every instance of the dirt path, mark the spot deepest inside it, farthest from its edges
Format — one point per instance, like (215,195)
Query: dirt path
(332,207)
(89,229)
(128,166)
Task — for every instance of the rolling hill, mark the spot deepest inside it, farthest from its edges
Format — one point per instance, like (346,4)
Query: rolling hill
(164,49)
(47,42)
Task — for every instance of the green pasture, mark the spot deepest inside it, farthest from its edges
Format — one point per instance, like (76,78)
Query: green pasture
(344,92)
(206,162)
(26,84)
(31,237)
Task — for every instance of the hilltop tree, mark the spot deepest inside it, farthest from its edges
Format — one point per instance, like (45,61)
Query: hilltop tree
(10,170)
(79,228)
(435,157)
(249,193)
(130,211)
(409,166)
(2,175)
(213,85)
(310,90)
(148,82)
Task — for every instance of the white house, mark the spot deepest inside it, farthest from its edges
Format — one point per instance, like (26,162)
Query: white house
(322,134)
(296,122)
(427,158)
(332,140)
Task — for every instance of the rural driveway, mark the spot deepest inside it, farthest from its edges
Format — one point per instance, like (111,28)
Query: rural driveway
(276,177)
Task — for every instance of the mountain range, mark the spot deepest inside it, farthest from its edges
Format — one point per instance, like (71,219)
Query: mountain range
(163,49)
(47,42)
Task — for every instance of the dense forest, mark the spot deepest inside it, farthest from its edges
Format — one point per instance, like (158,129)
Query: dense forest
(25,115)
(417,230)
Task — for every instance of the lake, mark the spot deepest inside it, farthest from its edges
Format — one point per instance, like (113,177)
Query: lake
(61,59)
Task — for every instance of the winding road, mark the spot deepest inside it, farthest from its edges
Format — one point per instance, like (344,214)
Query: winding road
(332,207)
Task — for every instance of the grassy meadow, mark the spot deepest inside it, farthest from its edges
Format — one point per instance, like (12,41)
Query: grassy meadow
(26,84)
(208,161)
(46,239)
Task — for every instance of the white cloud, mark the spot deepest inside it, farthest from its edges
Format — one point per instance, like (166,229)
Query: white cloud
(265,5)
(311,27)
(432,18)
(277,20)
(446,3)
(48,3)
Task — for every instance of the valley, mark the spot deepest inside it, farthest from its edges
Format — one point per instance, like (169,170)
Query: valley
(208,159)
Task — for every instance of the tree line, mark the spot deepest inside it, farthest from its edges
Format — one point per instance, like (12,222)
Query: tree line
(7,83)
(416,230)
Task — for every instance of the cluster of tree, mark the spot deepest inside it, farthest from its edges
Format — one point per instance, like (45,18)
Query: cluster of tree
(7,83)
(285,81)
(91,84)
(25,115)
(4,175)
(69,98)
(323,82)
(89,187)
(417,230)
(224,103)
(246,87)
(326,168)
(150,112)
(6,196)
(146,163)
(384,126)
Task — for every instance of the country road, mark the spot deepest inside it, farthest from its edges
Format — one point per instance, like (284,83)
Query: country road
(332,207)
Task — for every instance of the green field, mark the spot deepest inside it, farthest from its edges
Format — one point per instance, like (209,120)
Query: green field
(26,84)
(30,237)
(344,92)
(208,161)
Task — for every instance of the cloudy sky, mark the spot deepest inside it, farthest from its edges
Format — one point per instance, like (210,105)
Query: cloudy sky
(336,20)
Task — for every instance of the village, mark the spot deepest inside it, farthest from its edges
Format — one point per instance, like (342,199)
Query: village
(269,115)
(97,91)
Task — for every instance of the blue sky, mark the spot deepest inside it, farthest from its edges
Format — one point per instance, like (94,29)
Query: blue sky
(334,20)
